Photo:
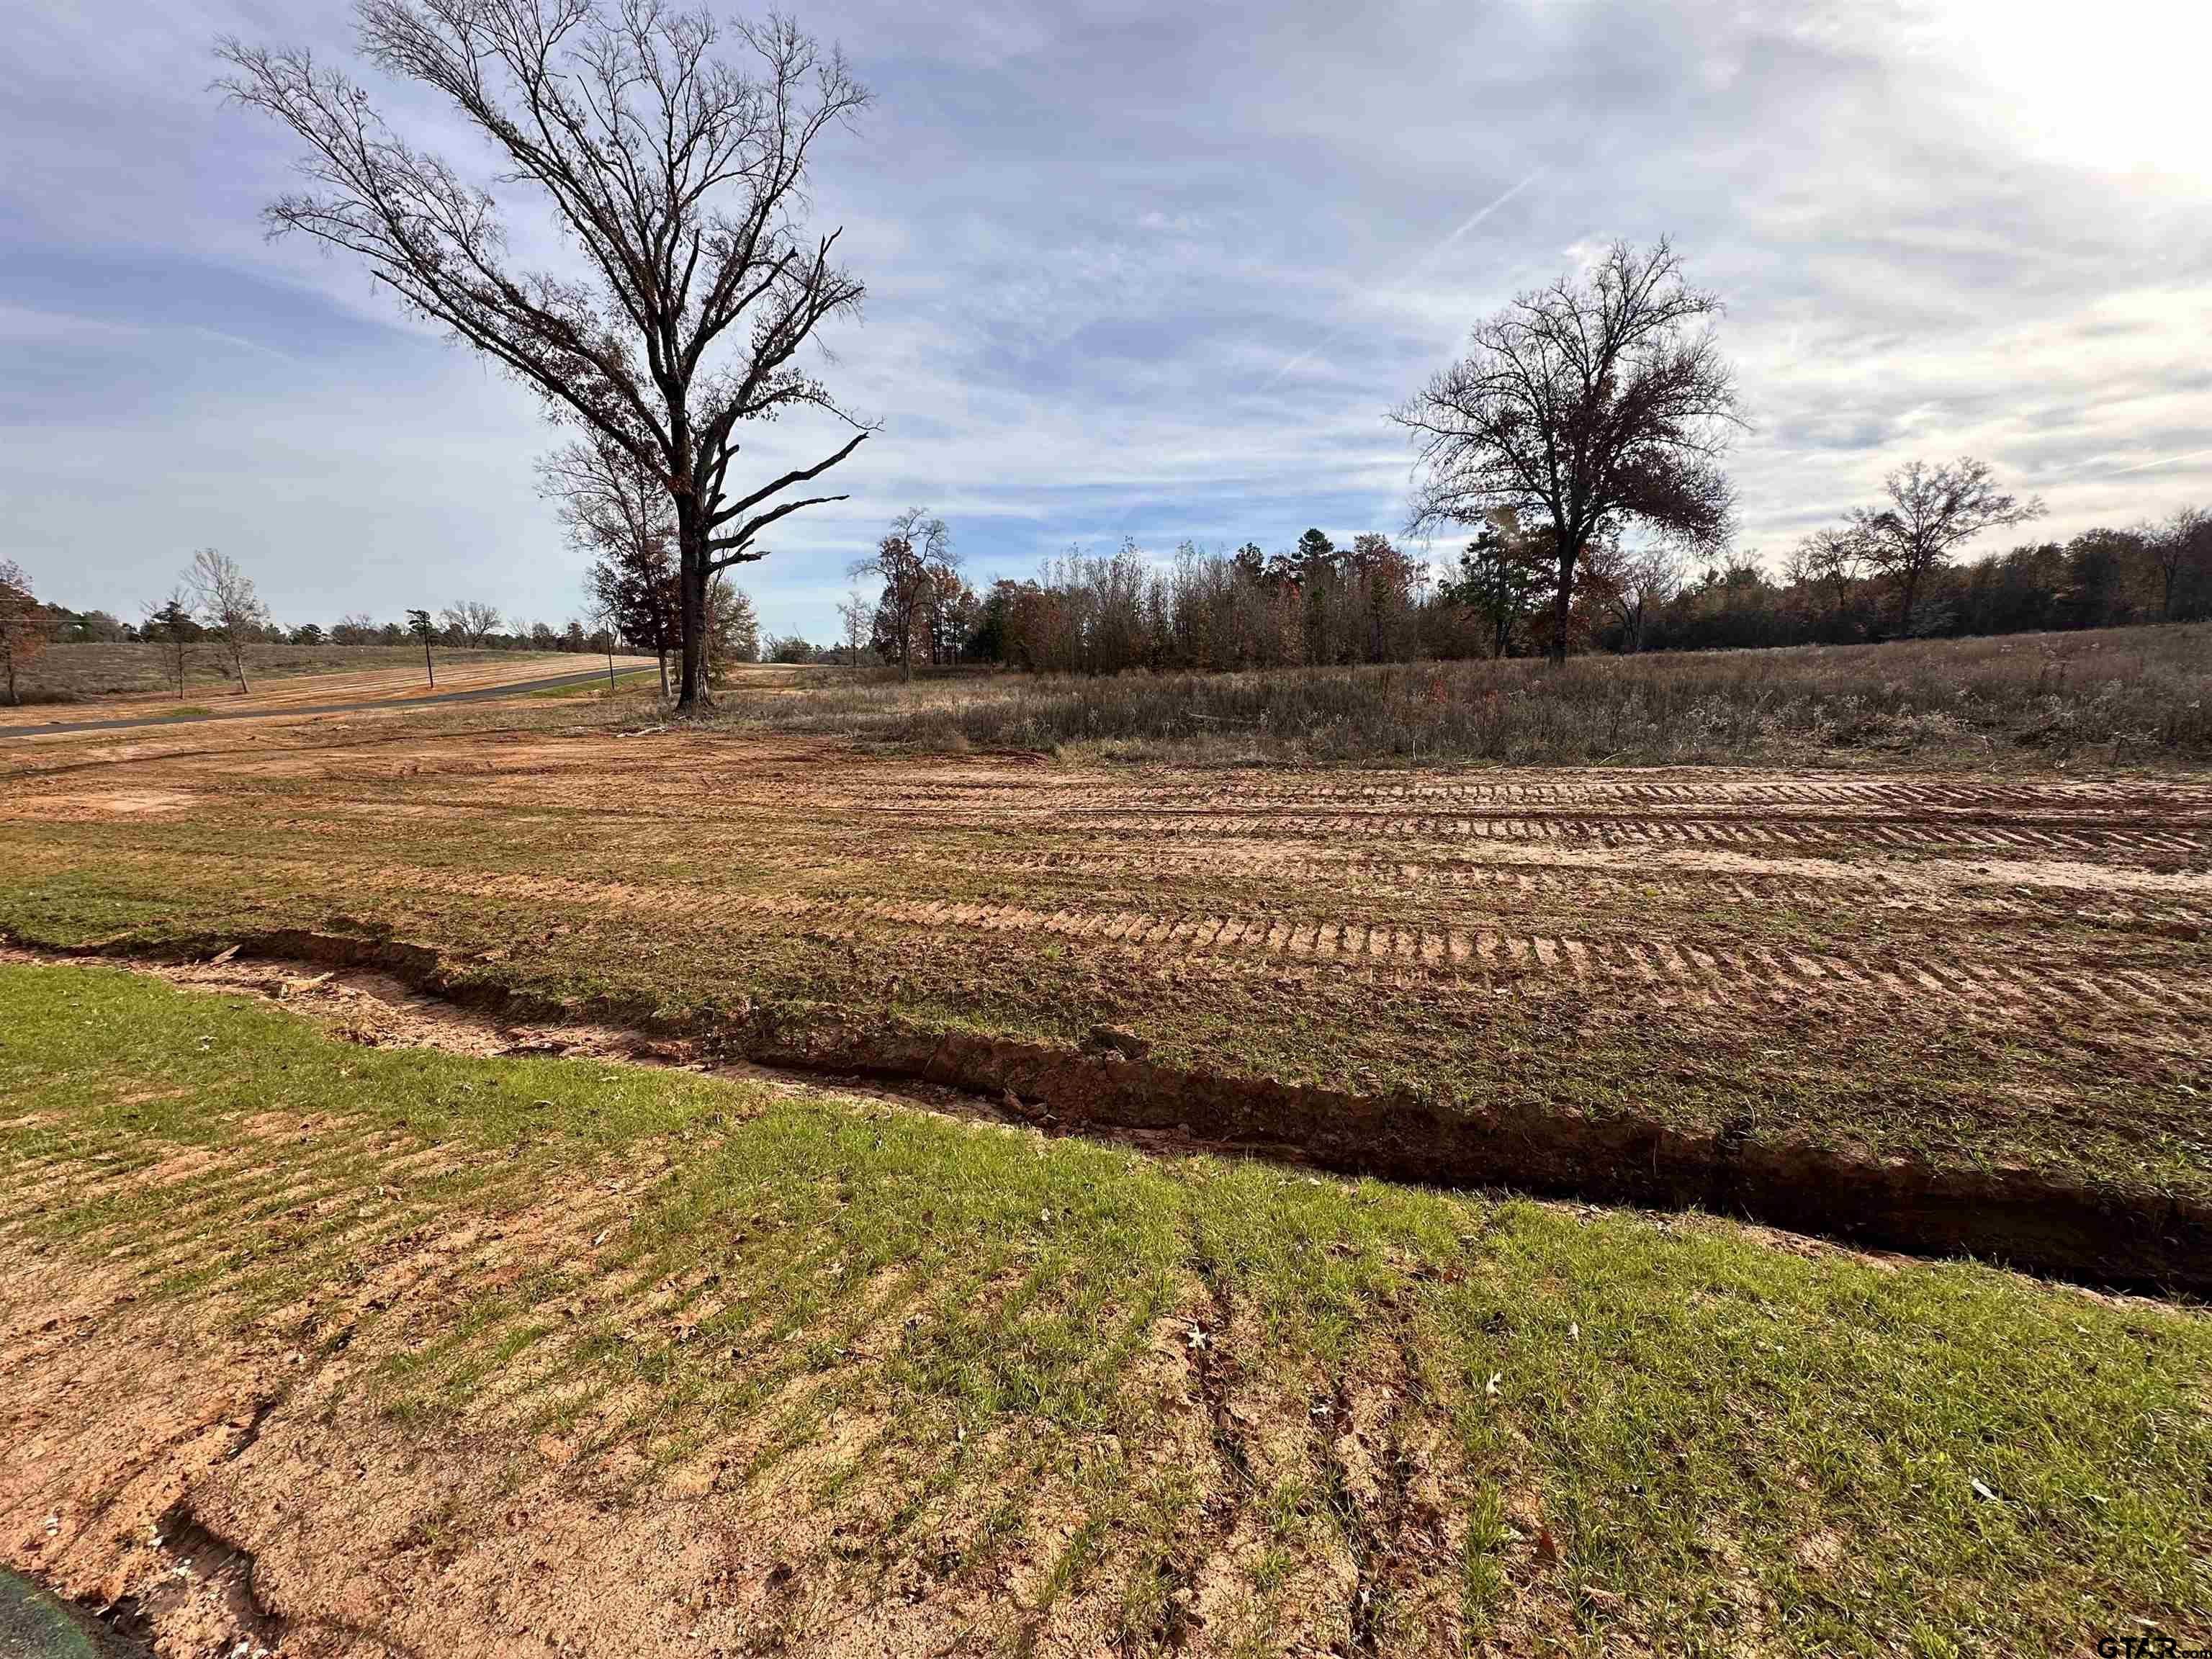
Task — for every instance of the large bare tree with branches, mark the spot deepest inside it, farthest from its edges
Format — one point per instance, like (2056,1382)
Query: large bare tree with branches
(1931,511)
(230,608)
(673,152)
(1596,403)
(472,620)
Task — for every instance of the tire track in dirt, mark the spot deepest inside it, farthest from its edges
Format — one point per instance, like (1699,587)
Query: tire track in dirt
(1826,834)
(1664,964)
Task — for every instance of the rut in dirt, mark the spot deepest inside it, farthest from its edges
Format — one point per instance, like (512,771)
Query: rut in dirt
(2024,1219)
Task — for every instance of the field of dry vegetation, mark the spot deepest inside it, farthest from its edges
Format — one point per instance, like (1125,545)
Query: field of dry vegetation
(1095,1331)
(85,673)
(2140,695)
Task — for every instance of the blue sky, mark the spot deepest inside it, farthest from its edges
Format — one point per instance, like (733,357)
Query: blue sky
(1147,269)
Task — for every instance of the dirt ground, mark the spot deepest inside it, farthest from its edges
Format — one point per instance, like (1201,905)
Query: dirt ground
(147,1443)
(2006,950)
(1600,879)
(2021,962)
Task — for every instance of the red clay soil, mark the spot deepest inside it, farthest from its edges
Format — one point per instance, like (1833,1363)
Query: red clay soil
(223,1493)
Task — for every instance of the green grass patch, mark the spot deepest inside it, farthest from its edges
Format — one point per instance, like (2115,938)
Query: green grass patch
(1726,1446)
(630,679)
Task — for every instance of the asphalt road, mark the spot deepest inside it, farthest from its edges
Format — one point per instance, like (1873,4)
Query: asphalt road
(480,694)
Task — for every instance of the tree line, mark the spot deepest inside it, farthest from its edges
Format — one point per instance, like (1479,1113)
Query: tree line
(1889,571)
(216,604)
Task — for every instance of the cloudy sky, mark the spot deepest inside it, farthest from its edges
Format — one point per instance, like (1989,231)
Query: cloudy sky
(1151,269)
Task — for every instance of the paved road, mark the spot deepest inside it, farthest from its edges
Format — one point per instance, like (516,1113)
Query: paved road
(480,694)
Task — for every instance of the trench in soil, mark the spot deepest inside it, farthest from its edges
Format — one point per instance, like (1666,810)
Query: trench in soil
(2107,1237)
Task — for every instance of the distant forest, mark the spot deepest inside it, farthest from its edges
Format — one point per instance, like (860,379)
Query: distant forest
(1317,603)
(1370,602)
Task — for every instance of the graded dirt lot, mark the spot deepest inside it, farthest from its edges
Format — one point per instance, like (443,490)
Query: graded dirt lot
(1966,970)
(509,1348)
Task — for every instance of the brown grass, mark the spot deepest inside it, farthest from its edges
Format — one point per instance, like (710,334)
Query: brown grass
(2120,695)
(78,673)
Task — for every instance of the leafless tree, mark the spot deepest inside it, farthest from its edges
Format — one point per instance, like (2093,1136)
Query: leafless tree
(913,562)
(2184,538)
(858,616)
(733,624)
(1630,583)
(1597,402)
(22,625)
(616,509)
(673,151)
(1931,511)
(473,620)
(1833,559)
(228,606)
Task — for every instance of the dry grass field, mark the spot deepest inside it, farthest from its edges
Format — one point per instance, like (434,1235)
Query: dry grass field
(2111,696)
(79,683)
(1095,1333)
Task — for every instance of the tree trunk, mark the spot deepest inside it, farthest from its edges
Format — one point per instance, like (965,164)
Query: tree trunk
(1911,592)
(691,605)
(1562,604)
(706,641)
(238,661)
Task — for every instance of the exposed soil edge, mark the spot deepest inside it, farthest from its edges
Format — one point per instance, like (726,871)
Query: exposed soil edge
(2112,1237)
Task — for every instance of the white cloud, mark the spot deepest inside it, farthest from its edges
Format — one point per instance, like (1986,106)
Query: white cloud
(1155,270)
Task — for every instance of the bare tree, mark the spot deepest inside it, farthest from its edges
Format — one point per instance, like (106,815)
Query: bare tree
(859,617)
(615,508)
(472,619)
(733,624)
(1630,583)
(914,561)
(1598,403)
(673,151)
(2184,538)
(22,625)
(169,620)
(1833,559)
(1931,511)
(228,606)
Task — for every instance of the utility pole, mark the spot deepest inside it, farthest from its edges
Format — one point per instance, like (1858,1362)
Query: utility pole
(418,624)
